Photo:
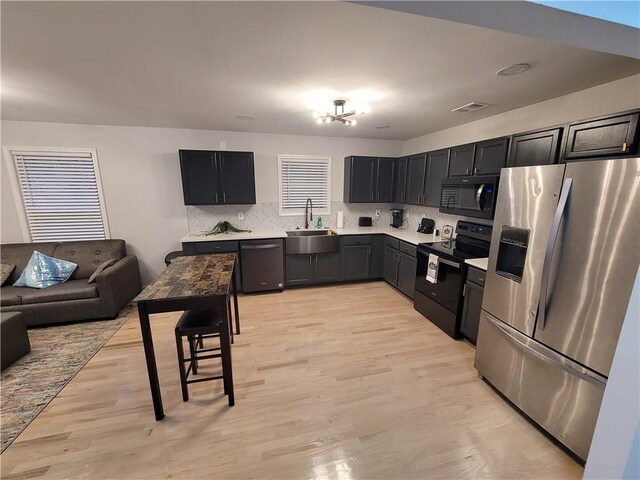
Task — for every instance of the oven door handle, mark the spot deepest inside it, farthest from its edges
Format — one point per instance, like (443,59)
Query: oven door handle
(449,262)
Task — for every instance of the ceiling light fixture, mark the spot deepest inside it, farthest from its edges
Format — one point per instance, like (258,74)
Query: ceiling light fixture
(339,114)
(514,69)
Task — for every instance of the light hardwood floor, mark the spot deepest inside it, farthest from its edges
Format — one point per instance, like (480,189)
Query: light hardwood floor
(331,383)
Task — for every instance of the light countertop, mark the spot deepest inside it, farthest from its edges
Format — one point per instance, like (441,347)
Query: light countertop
(480,263)
(409,236)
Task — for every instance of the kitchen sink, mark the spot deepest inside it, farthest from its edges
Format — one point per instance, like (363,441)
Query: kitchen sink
(311,241)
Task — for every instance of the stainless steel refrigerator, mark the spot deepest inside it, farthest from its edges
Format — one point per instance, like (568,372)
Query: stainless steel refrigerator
(564,254)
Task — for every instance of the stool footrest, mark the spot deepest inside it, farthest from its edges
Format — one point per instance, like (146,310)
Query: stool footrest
(206,379)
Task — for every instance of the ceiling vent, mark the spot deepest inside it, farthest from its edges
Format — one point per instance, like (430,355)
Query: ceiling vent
(471,107)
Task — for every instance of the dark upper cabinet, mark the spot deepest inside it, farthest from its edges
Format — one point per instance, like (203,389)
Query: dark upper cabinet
(359,179)
(385,179)
(407,274)
(602,137)
(461,162)
(400,190)
(217,178)
(437,169)
(369,179)
(356,262)
(326,267)
(491,156)
(237,177)
(199,177)
(534,148)
(417,166)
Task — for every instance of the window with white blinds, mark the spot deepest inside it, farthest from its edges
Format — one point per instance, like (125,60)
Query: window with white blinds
(301,177)
(61,195)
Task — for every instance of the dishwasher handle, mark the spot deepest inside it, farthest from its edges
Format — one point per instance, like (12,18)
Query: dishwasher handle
(261,247)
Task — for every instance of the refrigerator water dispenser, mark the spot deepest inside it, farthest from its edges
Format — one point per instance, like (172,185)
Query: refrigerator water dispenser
(512,253)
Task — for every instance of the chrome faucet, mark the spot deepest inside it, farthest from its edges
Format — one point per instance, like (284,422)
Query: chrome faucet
(308,212)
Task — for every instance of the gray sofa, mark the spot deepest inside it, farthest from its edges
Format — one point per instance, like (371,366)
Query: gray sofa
(74,299)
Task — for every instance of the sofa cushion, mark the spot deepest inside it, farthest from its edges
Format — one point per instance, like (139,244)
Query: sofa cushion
(70,290)
(5,271)
(18,254)
(89,254)
(11,295)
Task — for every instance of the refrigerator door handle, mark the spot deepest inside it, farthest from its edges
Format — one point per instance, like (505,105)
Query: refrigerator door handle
(585,375)
(548,255)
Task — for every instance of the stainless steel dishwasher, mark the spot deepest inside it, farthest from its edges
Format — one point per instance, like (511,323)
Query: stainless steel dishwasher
(262,265)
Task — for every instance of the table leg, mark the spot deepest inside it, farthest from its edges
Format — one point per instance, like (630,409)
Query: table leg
(225,347)
(234,281)
(150,357)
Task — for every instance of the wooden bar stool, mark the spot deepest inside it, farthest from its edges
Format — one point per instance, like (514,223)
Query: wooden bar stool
(197,325)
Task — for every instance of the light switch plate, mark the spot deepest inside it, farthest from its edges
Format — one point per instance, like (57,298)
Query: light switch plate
(241,216)
(377,213)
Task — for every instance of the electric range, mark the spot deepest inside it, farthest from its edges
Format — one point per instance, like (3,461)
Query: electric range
(441,302)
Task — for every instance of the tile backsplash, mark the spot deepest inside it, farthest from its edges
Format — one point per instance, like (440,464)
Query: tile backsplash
(266,216)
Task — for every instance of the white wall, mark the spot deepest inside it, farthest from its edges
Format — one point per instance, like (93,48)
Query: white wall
(615,449)
(141,174)
(610,97)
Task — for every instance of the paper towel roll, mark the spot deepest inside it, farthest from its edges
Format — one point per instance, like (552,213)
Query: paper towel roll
(340,221)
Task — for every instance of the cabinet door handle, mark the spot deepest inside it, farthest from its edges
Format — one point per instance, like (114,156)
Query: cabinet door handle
(224,198)
(316,258)
(467,171)
(310,258)
(216,197)
(624,147)
(464,290)
(475,170)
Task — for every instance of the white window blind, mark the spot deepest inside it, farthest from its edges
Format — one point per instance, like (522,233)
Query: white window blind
(302,177)
(61,195)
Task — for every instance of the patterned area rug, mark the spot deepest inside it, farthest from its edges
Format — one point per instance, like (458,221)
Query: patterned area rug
(57,354)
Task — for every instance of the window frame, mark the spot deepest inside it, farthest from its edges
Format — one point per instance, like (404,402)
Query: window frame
(10,161)
(327,158)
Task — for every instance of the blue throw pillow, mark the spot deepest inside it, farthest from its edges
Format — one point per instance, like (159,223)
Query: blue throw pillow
(43,271)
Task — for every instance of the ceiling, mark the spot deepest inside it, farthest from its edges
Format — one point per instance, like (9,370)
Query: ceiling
(201,64)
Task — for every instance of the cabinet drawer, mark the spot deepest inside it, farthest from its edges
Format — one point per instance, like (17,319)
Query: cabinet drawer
(216,247)
(392,242)
(356,240)
(408,249)
(476,276)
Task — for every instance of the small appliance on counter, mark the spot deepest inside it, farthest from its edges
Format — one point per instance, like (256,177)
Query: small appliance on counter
(365,222)
(397,217)
(427,226)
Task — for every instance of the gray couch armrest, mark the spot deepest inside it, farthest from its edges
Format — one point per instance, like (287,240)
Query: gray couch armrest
(118,285)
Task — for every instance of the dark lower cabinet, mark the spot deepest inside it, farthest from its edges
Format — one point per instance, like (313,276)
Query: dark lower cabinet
(400,266)
(311,268)
(326,267)
(390,273)
(377,256)
(356,262)
(299,269)
(407,274)
(535,148)
(602,137)
(473,291)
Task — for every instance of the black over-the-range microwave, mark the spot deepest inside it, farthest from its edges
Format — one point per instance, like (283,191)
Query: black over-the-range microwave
(470,196)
